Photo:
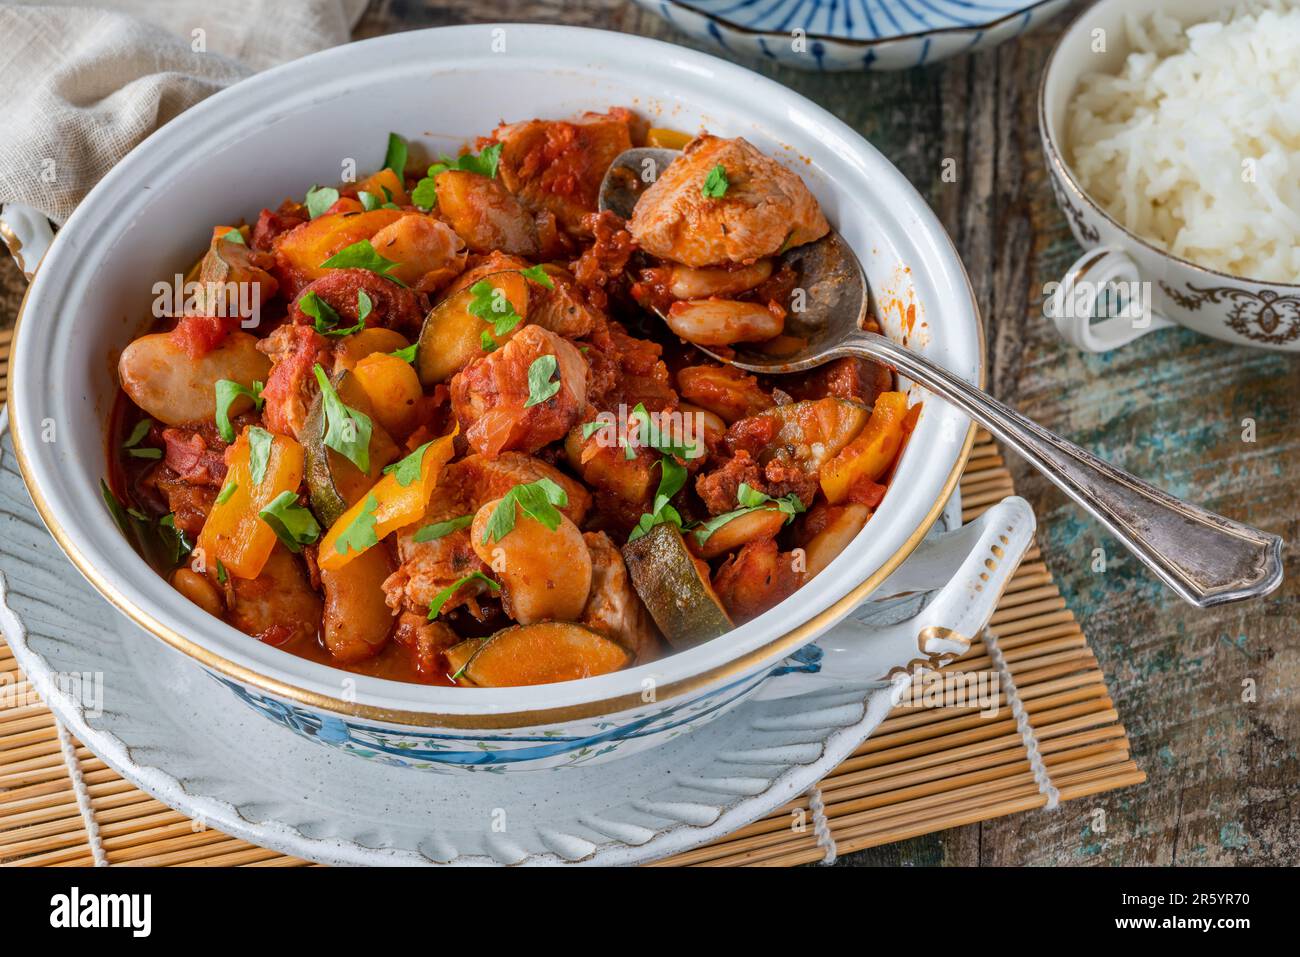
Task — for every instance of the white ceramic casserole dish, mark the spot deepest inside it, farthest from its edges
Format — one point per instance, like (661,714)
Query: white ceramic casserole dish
(280,131)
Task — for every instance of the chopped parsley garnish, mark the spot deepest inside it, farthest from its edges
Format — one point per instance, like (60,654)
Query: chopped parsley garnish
(538,275)
(395,157)
(406,354)
(486,342)
(538,501)
(651,436)
(347,431)
(369,201)
(540,384)
(138,433)
(234,236)
(177,542)
(222,575)
(259,452)
(145,453)
(440,599)
(493,305)
(425,194)
(116,509)
(319,199)
(227,392)
(227,490)
(408,469)
(360,535)
(327,319)
(671,479)
(292,523)
(716,183)
(362,255)
(441,529)
(751,500)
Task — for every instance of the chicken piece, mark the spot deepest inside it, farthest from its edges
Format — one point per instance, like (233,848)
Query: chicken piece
(427,251)
(278,606)
(756,578)
(463,488)
(724,390)
(563,310)
(766,207)
(291,386)
(494,397)
(484,214)
(613,606)
(557,166)
(426,641)
(391,306)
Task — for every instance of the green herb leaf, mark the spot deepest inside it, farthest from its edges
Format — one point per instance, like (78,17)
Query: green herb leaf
(440,529)
(175,539)
(227,392)
(716,183)
(319,199)
(347,431)
(292,523)
(492,305)
(536,499)
(362,255)
(651,436)
(369,201)
(360,535)
(540,385)
(538,275)
(313,305)
(259,452)
(116,509)
(672,476)
(751,500)
(486,342)
(440,599)
(364,307)
(406,354)
(484,163)
(222,575)
(425,194)
(138,433)
(408,469)
(145,453)
(227,490)
(395,157)
(234,236)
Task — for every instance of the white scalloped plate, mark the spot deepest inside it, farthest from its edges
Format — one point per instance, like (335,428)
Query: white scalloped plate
(167,727)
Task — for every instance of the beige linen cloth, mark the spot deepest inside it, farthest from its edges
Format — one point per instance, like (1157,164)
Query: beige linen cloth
(81,85)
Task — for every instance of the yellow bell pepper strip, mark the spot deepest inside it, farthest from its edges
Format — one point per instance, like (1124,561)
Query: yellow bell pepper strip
(667,139)
(395,501)
(871,453)
(234,535)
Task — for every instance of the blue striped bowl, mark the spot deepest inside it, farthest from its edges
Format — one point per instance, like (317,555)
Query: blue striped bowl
(846,35)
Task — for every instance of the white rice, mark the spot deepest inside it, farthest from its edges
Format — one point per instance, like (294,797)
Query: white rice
(1195,145)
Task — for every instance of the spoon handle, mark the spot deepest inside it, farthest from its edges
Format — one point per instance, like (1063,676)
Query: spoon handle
(1204,557)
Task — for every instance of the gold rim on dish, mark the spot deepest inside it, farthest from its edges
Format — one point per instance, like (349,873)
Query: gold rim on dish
(782,644)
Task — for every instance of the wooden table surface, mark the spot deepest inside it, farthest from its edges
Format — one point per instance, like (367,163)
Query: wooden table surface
(1211,699)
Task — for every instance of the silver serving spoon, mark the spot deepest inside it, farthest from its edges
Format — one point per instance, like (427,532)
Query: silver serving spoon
(1204,557)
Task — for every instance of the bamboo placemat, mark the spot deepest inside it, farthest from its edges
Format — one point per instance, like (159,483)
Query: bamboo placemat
(924,769)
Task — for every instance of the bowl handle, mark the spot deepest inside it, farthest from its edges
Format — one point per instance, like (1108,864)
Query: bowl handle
(970,566)
(28,235)
(1073,302)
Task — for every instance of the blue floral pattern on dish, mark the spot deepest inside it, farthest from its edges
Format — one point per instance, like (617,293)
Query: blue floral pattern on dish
(553,747)
(853,34)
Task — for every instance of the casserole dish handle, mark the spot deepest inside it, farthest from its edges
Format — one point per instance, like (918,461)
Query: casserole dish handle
(1104,279)
(970,567)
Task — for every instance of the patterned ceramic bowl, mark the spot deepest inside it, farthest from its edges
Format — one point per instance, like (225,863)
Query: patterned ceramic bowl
(856,34)
(270,135)
(1173,290)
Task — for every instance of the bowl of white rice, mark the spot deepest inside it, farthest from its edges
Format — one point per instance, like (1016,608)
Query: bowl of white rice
(1171,130)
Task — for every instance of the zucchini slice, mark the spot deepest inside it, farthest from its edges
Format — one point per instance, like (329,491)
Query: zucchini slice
(333,482)
(536,654)
(452,336)
(676,589)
